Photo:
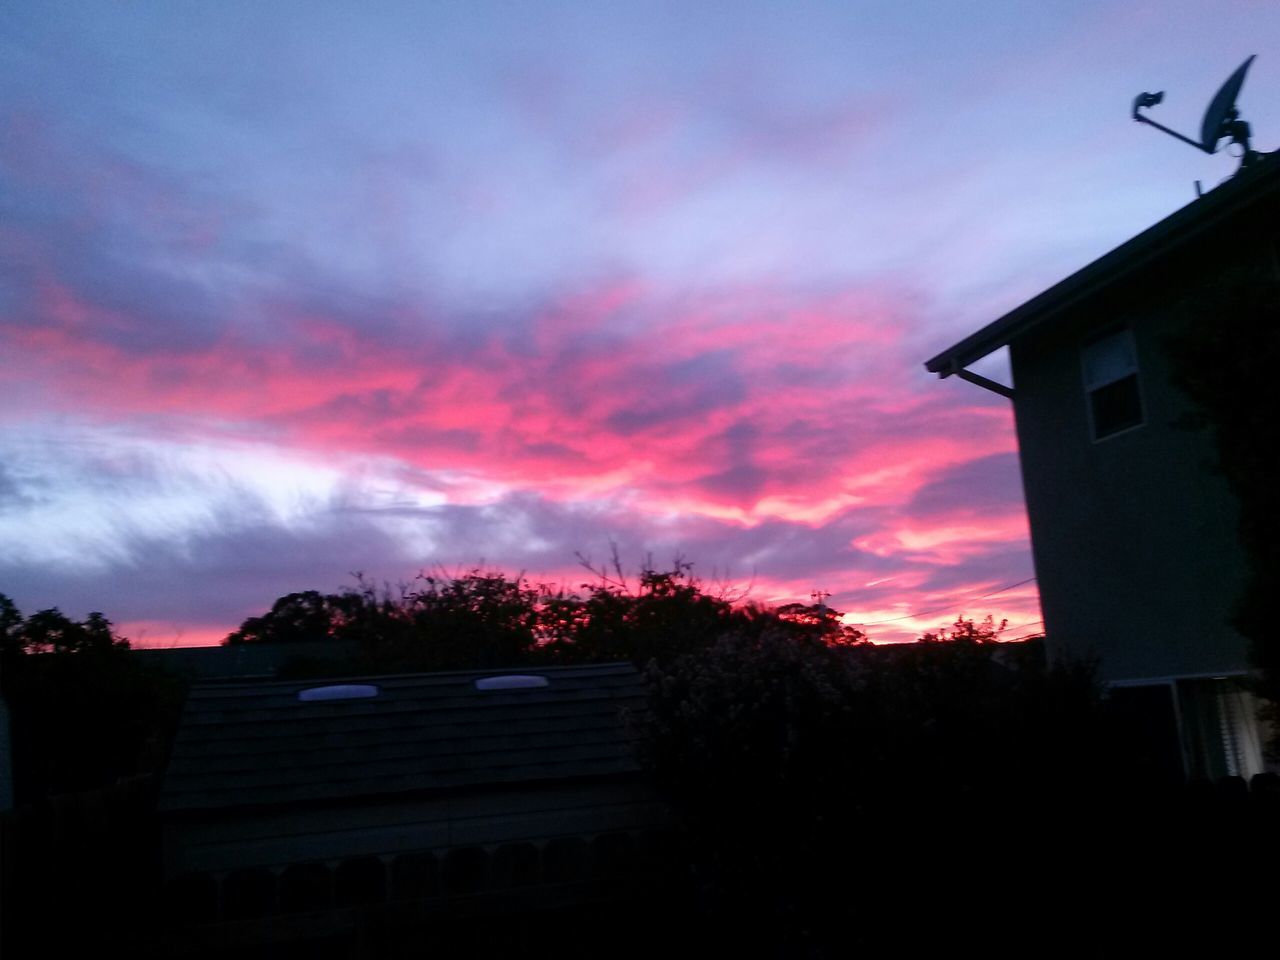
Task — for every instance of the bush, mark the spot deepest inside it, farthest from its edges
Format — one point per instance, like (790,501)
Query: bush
(813,778)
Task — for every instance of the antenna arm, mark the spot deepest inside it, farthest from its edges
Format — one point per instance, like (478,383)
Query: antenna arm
(1173,133)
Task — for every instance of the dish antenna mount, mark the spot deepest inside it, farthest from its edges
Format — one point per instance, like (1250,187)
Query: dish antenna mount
(1221,120)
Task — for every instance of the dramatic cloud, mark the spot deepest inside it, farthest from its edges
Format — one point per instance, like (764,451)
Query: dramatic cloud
(292,292)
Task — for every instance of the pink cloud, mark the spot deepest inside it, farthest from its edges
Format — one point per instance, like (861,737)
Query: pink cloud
(619,388)
(946,539)
(739,408)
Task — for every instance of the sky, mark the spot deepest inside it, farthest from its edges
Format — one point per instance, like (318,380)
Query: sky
(291,291)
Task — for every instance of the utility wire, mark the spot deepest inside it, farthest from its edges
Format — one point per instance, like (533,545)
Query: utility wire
(1026,636)
(1029,623)
(925,613)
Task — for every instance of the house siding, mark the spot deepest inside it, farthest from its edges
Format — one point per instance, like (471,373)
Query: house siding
(1134,536)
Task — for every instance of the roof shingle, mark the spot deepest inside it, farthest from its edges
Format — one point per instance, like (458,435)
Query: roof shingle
(256,744)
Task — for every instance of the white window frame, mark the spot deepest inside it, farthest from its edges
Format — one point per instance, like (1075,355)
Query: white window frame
(1125,335)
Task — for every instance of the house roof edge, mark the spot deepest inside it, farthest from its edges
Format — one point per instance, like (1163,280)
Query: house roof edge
(1178,228)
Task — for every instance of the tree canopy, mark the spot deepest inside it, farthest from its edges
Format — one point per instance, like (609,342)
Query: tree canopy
(52,631)
(85,712)
(481,618)
(1224,360)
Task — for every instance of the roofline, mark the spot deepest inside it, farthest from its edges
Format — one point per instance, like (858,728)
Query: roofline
(259,682)
(1173,231)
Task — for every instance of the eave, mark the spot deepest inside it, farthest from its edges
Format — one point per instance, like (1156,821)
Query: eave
(1164,238)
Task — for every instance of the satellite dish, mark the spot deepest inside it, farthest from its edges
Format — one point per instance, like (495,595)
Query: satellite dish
(1222,119)
(1222,113)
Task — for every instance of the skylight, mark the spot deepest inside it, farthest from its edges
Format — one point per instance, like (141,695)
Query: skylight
(339,691)
(512,681)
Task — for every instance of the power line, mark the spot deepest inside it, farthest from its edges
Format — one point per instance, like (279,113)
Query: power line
(1026,636)
(925,613)
(1029,623)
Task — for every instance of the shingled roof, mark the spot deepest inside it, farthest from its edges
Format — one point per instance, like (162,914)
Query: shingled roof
(255,744)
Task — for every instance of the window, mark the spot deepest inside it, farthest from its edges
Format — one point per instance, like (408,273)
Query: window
(1111,382)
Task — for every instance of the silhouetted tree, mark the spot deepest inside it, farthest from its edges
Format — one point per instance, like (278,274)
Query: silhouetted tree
(52,631)
(479,618)
(306,616)
(967,631)
(1225,360)
(10,628)
(820,622)
(482,618)
(813,777)
(85,712)
(666,613)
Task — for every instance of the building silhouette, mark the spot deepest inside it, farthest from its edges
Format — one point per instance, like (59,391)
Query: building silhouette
(1134,529)
(438,810)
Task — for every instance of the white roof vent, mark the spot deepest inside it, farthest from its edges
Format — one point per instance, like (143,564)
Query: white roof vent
(512,681)
(339,691)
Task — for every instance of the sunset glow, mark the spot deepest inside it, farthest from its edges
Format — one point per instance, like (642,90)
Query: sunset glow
(291,291)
